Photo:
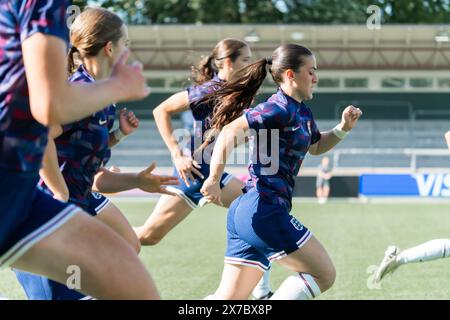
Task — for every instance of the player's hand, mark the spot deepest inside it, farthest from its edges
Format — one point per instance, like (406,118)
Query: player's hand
(211,191)
(155,183)
(128,122)
(129,78)
(350,116)
(187,168)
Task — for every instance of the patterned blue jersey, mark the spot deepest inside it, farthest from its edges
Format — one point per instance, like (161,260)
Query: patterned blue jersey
(202,112)
(297,130)
(83,147)
(22,138)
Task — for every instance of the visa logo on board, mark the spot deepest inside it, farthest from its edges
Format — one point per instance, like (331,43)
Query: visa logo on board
(433,185)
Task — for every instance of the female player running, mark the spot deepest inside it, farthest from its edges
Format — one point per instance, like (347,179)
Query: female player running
(430,250)
(38,233)
(260,228)
(83,147)
(228,56)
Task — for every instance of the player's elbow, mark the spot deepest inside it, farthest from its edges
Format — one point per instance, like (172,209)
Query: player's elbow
(160,110)
(156,111)
(46,112)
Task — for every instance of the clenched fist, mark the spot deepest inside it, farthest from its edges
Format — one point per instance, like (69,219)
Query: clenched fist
(350,116)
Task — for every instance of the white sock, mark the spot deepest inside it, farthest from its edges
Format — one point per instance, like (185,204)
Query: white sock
(298,287)
(263,287)
(431,250)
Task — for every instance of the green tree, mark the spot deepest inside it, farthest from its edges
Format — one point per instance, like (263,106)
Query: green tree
(417,11)
(274,11)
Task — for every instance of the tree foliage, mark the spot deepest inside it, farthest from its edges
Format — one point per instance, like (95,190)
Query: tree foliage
(274,11)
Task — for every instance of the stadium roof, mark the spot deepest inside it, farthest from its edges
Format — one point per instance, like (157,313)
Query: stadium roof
(337,47)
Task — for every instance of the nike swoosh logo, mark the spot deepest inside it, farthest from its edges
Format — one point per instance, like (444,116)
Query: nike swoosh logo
(100,122)
(294,128)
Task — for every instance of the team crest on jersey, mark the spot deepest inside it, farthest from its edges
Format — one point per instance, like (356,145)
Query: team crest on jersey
(297,224)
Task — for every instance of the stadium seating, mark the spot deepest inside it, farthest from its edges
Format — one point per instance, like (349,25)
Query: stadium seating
(373,143)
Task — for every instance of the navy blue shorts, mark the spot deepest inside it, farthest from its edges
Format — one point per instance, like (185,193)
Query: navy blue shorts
(27,215)
(97,202)
(259,232)
(37,287)
(192,194)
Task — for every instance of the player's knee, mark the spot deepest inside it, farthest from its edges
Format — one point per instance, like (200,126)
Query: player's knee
(326,279)
(150,238)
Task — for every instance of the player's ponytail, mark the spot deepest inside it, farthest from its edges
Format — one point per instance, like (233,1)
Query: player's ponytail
(210,65)
(71,64)
(205,70)
(237,94)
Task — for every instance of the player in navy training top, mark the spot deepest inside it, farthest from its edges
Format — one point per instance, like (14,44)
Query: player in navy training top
(83,147)
(228,56)
(192,166)
(35,234)
(260,228)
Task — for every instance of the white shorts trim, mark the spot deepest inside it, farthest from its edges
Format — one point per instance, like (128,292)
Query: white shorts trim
(191,203)
(102,206)
(245,262)
(31,239)
(227,179)
(303,240)
(277,256)
(300,243)
(182,195)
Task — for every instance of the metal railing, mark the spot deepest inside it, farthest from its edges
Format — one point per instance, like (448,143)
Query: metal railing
(413,155)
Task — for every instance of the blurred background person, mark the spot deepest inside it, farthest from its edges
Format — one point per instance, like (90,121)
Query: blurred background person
(447,138)
(323,181)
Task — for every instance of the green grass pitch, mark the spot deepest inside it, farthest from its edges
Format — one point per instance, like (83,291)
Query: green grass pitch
(187,264)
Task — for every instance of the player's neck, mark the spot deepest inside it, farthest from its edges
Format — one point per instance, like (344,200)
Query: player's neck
(96,68)
(291,92)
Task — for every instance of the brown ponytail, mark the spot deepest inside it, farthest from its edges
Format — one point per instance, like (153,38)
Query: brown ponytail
(71,64)
(210,65)
(234,96)
(205,70)
(237,94)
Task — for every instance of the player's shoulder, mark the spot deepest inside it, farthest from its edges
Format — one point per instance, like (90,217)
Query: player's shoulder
(275,109)
(196,91)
